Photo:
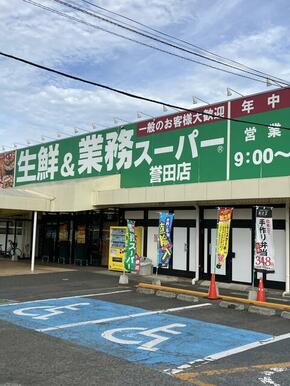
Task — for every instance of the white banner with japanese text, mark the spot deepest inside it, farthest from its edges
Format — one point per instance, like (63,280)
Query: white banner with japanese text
(264,248)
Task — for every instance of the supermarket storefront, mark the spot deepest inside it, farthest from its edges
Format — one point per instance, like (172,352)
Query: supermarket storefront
(16,221)
(187,163)
(76,237)
(83,238)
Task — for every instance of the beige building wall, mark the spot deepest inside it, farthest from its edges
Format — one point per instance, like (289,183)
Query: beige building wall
(89,193)
(256,190)
(74,195)
(22,200)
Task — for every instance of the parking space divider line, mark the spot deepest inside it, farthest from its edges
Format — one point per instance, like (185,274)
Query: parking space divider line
(67,297)
(227,353)
(122,317)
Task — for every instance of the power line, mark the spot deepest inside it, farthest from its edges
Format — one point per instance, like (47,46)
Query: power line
(73,18)
(130,95)
(130,29)
(156,39)
(182,41)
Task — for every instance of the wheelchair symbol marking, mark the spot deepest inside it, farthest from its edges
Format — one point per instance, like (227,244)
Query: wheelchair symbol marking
(50,311)
(151,333)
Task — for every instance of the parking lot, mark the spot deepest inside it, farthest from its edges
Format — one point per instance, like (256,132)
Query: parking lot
(83,328)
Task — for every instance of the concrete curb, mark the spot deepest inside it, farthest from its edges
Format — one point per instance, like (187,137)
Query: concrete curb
(262,311)
(285,315)
(166,294)
(230,302)
(187,298)
(146,291)
(232,305)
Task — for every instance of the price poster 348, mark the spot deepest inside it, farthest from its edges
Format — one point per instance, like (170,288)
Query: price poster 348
(264,248)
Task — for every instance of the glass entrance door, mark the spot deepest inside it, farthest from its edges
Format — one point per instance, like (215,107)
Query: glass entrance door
(238,265)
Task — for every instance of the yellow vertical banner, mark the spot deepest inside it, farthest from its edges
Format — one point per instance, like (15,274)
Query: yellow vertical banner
(223,235)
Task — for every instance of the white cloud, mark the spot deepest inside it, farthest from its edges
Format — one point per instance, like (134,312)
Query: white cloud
(34,102)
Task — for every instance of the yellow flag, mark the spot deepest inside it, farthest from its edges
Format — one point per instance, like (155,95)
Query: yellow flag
(224,225)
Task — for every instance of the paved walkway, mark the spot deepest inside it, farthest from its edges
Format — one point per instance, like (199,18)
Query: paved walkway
(22,267)
(11,268)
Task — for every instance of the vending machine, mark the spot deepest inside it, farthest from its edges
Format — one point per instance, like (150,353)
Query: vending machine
(118,245)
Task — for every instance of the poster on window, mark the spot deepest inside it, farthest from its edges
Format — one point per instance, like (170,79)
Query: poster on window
(264,248)
(63,232)
(223,235)
(7,165)
(80,235)
(164,239)
(130,251)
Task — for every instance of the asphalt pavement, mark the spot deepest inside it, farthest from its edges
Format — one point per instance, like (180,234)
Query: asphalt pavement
(82,328)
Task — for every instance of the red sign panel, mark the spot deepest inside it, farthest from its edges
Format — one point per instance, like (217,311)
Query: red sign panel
(269,101)
(182,119)
(254,104)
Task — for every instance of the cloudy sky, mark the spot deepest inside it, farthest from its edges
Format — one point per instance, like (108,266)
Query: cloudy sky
(35,103)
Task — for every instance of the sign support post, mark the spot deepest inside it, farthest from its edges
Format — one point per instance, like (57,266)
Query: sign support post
(155,280)
(287,279)
(33,241)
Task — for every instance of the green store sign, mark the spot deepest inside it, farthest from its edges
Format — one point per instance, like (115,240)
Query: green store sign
(185,147)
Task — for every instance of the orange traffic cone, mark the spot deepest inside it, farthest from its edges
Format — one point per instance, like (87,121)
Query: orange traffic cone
(261,297)
(212,293)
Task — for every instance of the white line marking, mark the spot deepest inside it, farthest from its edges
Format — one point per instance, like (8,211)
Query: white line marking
(122,317)
(186,307)
(175,371)
(184,367)
(103,293)
(197,360)
(227,353)
(67,297)
(247,347)
(267,379)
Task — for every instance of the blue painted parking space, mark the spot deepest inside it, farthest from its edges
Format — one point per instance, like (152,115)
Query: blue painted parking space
(156,338)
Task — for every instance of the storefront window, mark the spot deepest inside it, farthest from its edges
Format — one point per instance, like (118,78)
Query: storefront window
(94,243)
(3,231)
(76,238)
(19,235)
(50,240)
(15,231)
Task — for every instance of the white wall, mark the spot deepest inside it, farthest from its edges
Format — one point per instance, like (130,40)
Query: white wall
(152,240)
(279,239)
(134,214)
